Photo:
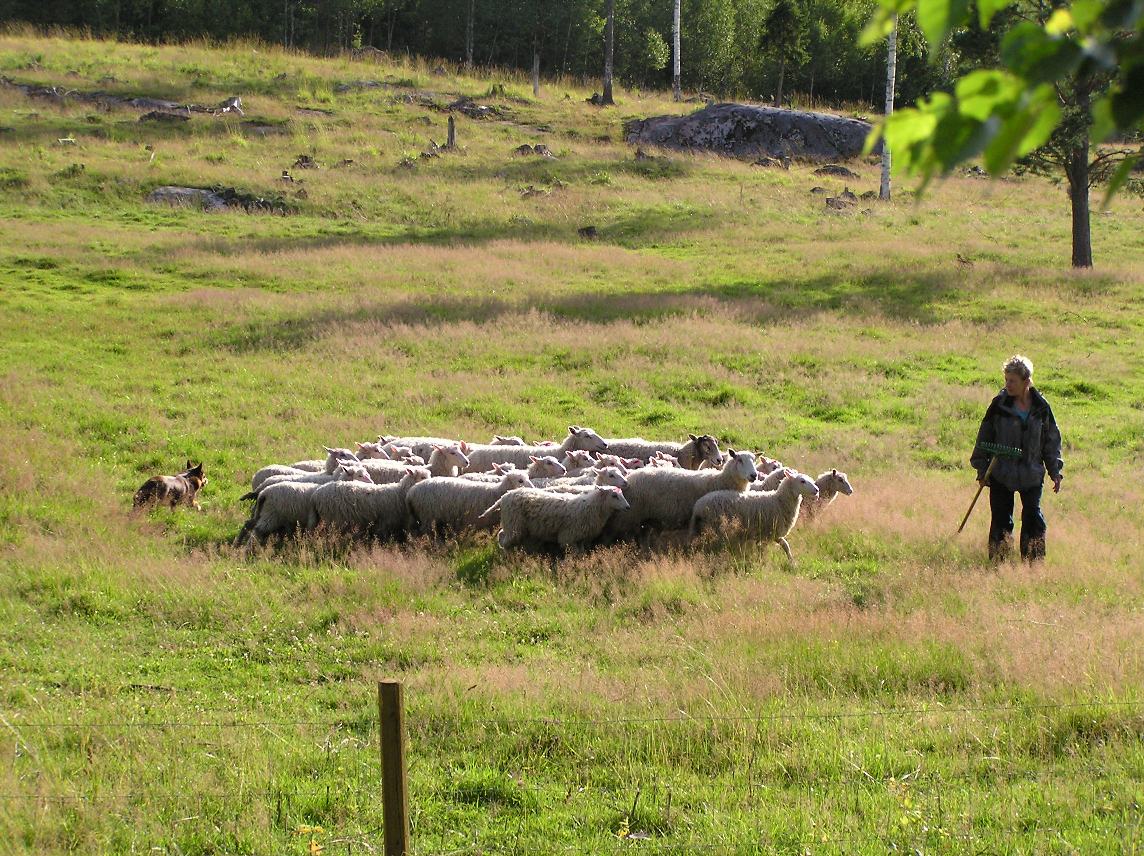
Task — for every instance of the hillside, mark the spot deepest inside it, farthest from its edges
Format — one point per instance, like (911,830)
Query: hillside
(890,690)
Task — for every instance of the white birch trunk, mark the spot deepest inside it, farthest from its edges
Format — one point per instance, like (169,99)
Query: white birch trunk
(677,93)
(891,74)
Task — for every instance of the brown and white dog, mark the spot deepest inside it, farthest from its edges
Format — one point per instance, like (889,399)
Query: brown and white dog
(181,488)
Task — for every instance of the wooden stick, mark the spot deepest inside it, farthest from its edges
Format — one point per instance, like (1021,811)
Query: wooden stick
(980,488)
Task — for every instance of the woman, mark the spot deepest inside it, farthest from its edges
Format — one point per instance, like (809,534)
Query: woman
(1019,417)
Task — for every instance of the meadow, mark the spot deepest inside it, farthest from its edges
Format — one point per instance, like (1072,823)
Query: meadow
(889,691)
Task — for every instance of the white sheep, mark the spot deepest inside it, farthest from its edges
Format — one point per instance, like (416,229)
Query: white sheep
(602,476)
(481,458)
(664,498)
(443,461)
(349,471)
(379,511)
(538,517)
(260,477)
(691,455)
(456,503)
(771,480)
(421,446)
(286,507)
(829,485)
(542,467)
(333,458)
(370,451)
(768,515)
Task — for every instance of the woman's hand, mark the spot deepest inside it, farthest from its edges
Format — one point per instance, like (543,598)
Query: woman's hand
(1056,482)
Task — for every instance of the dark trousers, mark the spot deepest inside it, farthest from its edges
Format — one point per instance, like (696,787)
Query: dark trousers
(1033,527)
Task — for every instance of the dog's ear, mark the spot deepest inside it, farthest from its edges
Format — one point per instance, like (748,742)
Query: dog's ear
(190,466)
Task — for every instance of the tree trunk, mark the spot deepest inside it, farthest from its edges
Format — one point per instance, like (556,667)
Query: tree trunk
(891,73)
(469,36)
(1077,173)
(609,42)
(676,92)
(779,90)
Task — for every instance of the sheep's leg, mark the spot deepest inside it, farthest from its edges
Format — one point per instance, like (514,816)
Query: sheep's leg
(782,542)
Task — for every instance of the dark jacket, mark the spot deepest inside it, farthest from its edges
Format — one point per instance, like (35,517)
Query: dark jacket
(1038,438)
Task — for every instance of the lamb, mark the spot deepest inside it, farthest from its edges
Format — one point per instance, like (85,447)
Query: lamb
(771,481)
(260,477)
(691,455)
(543,467)
(369,451)
(576,462)
(457,503)
(769,515)
(482,458)
(444,461)
(333,458)
(347,472)
(565,519)
(379,511)
(829,486)
(665,497)
(421,446)
(604,476)
(285,507)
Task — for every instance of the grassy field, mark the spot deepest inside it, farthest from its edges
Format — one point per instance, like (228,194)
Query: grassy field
(165,693)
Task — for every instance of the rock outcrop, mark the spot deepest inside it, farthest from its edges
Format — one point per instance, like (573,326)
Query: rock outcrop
(744,130)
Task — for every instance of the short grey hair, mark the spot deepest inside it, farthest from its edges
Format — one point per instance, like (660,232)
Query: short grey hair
(1019,365)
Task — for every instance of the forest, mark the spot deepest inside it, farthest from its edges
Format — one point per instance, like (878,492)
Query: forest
(729,49)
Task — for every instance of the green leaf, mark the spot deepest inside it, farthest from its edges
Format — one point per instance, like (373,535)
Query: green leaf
(1086,12)
(984,92)
(1025,130)
(1121,176)
(938,17)
(1103,125)
(1128,103)
(986,9)
(1030,52)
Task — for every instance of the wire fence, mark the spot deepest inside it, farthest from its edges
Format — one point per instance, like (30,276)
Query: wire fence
(930,778)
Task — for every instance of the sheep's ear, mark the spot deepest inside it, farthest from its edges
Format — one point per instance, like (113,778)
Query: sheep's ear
(464,447)
(731,452)
(834,472)
(693,437)
(533,458)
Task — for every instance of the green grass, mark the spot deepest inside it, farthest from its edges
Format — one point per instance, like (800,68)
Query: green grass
(886,692)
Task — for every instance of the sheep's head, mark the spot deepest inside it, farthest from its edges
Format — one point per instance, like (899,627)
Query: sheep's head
(613,497)
(587,439)
(577,459)
(707,449)
(352,471)
(417,474)
(766,465)
(611,477)
(545,466)
(742,464)
(453,454)
(498,440)
(837,482)
(516,479)
(372,451)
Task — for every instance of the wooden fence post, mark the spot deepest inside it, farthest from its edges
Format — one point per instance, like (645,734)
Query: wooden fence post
(451,140)
(395,790)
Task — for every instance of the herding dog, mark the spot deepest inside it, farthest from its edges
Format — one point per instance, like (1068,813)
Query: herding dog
(173,490)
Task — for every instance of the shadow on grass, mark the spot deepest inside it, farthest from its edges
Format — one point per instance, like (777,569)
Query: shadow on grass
(878,293)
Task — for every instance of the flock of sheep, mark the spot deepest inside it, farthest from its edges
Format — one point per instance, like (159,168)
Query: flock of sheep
(583,491)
